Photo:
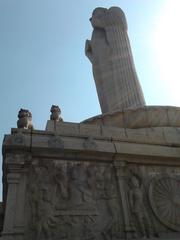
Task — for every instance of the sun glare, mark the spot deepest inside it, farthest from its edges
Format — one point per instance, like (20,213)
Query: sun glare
(166,43)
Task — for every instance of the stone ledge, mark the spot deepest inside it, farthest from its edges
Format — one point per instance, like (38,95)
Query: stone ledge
(168,136)
(142,117)
(108,149)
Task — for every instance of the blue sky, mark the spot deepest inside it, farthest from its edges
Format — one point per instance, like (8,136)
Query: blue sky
(42,60)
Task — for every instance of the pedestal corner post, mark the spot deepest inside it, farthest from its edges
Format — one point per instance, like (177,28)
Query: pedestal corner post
(15,178)
(121,175)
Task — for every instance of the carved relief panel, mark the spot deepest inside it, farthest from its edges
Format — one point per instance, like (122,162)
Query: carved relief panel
(155,200)
(73,200)
(81,200)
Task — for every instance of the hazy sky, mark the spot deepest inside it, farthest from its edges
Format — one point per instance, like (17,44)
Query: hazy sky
(42,60)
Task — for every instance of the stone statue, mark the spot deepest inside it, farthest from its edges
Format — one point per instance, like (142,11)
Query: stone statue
(113,68)
(25,119)
(55,113)
(136,198)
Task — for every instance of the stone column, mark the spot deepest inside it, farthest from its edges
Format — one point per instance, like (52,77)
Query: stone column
(9,219)
(14,219)
(121,174)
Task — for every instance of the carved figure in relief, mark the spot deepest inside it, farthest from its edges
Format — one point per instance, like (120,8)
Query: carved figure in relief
(33,202)
(46,217)
(112,228)
(61,187)
(136,198)
(108,224)
(80,191)
(41,196)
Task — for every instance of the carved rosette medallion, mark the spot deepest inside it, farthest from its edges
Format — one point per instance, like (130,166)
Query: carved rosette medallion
(164,196)
(56,142)
(90,144)
(18,139)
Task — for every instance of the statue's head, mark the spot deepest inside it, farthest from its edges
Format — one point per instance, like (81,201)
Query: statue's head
(55,108)
(135,181)
(98,17)
(77,171)
(103,17)
(24,113)
(99,12)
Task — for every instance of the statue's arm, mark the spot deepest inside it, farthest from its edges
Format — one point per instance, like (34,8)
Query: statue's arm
(88,50)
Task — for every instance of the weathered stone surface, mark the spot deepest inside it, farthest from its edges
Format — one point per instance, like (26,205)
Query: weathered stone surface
(158,116)
(173,116)
(74,187)
(62,127)
(146,150)
(113,68)
(171,136)
(43,141)
(114,133)
(153,135)
(144,117)
(135,118)
(132,135)
(157,135)
(113,120)
(88,130)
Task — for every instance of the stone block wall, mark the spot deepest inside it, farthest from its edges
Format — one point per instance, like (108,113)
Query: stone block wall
(79,181)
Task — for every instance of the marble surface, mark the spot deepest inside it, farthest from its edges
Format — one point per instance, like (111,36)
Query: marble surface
(110,53)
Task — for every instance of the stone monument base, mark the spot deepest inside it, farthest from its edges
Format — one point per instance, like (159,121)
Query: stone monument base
(92,181)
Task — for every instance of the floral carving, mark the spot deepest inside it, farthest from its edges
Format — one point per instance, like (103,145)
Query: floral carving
(90,144)
(56,141)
